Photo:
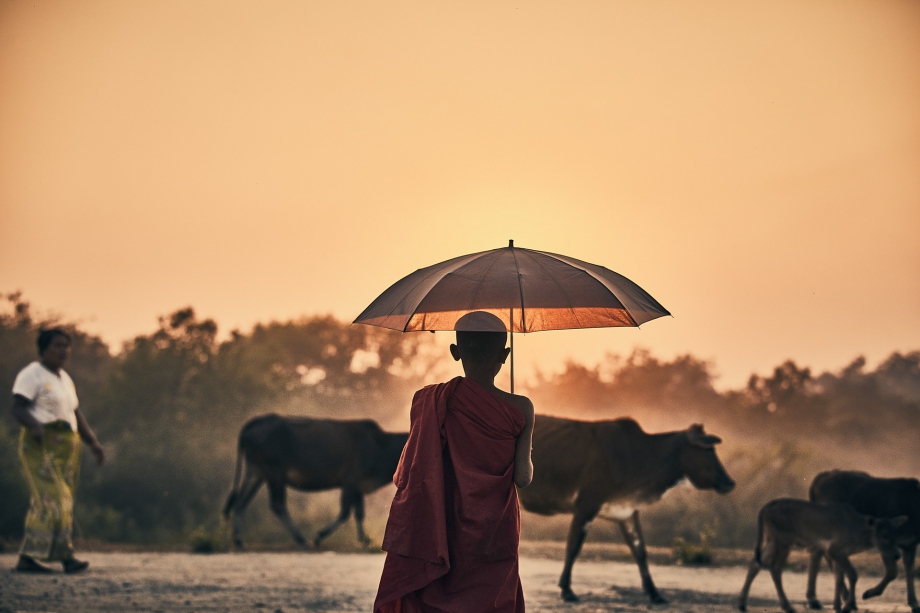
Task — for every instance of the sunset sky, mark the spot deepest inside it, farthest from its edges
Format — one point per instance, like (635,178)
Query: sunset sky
(755,166)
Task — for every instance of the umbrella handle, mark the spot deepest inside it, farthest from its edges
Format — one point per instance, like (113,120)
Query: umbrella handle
(512,362)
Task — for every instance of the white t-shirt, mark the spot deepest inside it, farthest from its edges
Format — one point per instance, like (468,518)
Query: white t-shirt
(53,396)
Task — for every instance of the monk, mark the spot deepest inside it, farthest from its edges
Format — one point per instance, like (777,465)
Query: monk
(454,525)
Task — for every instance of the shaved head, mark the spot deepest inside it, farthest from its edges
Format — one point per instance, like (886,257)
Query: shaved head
(481,346)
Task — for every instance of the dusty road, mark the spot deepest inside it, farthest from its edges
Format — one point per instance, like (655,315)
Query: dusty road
(332,582)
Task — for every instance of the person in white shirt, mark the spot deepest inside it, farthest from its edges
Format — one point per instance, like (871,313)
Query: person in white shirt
(45,403)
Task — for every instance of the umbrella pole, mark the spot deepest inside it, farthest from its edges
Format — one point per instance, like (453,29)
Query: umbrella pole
(511,328)
(512,362)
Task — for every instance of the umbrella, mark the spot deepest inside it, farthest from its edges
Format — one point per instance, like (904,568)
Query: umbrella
(528,290)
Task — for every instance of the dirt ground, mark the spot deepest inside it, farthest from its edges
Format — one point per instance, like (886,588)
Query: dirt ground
(331,582)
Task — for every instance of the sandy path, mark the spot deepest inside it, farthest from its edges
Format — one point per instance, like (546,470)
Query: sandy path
(327,582)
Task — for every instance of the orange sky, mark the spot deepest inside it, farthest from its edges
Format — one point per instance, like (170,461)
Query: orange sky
(754,166)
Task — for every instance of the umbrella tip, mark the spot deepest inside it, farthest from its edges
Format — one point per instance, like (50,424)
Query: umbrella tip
(511,243)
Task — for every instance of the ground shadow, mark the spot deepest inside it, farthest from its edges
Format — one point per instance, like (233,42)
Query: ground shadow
(636,599)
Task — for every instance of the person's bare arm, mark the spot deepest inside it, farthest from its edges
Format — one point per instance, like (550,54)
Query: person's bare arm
(23,415)
(523,464)
(89,437)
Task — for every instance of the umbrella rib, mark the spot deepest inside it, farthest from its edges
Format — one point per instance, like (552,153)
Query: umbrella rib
(561,293)
(567,261)
(478,285)
(517,270)
(467,259)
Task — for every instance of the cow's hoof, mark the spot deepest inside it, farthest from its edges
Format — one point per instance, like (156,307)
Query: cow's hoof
(814,604)
(657,599)
(742,607)
(569,596)
(871,593)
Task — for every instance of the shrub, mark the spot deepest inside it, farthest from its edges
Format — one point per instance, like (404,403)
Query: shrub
(694,554)
(206,541)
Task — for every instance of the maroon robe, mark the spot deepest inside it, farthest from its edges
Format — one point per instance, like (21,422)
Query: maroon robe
(454,526)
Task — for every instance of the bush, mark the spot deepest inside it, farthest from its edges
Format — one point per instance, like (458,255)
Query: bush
(203,540)
(694,554)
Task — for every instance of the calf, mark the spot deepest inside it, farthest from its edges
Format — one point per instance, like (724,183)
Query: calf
(836,530)
(877,497)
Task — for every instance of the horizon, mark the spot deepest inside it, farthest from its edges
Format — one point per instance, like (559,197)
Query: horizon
(523,378)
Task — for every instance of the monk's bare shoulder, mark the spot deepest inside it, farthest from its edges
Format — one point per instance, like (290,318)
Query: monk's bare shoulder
(522,403)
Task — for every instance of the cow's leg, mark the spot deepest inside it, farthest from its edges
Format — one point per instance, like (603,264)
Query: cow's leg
(278,493)
(252,481)
(577,531)
(834,566)
(632,534)
(814,565)
(359,519)
(776,572)
(844,581)
(838,585)
(908,554)
(346,502)
(891,573)
(753,569)
(844,568)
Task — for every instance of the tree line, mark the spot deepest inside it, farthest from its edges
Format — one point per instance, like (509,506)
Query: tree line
(168,407)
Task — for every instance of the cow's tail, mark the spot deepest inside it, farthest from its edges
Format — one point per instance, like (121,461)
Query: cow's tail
(757,557)
(231,499)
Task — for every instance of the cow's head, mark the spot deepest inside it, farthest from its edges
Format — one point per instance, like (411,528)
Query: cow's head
(700,463)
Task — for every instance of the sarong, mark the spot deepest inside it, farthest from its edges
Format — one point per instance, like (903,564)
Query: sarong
(454,525)
(51,472)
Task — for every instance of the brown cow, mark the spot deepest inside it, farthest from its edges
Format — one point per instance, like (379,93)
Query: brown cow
(608,469)
(879,498)
(312,455)
(833,530)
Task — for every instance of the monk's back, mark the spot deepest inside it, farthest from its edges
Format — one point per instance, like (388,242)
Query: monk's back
(481,432)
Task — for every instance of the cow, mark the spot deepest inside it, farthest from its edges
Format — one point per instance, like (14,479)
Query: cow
(833,530)
(312,455)
(608,469)
(879,498)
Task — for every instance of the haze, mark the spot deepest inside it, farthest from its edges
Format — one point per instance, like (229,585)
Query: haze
(753,166)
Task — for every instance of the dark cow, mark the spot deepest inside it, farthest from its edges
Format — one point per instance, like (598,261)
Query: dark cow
(608,469)
(312,455)
(834,530)
(879,498)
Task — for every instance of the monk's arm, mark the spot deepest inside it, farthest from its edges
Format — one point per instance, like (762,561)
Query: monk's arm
(523,465)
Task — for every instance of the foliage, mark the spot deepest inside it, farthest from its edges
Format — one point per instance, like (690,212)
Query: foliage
(169,405)
(203,540)
(695,554)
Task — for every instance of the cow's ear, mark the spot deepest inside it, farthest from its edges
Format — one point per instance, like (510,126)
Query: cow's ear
(699,438)
(899,521)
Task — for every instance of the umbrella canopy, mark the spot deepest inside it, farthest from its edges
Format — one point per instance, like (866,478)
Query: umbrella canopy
(528,290)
